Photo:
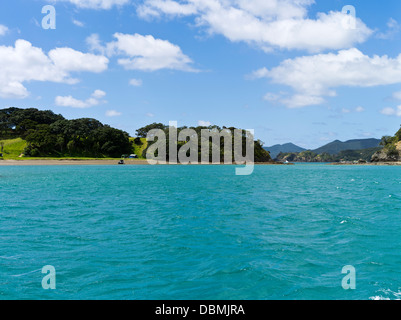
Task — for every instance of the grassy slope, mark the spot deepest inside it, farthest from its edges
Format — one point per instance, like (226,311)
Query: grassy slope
(138,150)
(13,148)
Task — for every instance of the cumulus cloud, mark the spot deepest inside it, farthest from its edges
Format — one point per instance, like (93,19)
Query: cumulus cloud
(96,4)
(313,78)
(113,113)
(68,59)
(145,53)
(135,82)
(392,111)
(270,24)
(3,30)
(359,109)
(24,62)
(78,23)
(69,101)
(204,123)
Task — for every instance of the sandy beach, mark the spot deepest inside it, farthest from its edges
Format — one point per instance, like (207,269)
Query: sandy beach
(44,162)
(68,162)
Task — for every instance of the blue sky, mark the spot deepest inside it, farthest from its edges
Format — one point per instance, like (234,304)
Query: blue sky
(294,70)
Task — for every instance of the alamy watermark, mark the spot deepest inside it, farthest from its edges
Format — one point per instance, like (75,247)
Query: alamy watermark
(211,144)
(349,281)
(49,280)
(349,21)
(49,21)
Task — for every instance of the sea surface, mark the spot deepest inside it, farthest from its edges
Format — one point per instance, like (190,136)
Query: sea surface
(200,232)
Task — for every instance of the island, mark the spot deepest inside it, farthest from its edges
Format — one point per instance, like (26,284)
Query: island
(33,135)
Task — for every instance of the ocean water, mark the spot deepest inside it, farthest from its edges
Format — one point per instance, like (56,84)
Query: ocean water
(200,232)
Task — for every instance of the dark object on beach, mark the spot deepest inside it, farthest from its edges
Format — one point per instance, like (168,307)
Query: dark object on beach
(121,162)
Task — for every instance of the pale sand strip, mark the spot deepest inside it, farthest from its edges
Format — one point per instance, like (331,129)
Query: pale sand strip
(42,162)
(68,162)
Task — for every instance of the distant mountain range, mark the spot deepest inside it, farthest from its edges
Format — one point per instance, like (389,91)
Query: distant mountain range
(331,148)
(288,147)
(338,146)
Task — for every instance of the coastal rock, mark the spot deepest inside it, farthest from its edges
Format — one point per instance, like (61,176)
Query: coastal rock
(388,155)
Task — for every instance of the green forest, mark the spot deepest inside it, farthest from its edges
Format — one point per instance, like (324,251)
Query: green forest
(32,133)
(260,154)
(51,135)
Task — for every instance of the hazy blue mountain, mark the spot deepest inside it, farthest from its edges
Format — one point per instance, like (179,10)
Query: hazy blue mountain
(288,147)
(337,146)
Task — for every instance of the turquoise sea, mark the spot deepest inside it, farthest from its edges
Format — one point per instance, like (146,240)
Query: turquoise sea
(200,232)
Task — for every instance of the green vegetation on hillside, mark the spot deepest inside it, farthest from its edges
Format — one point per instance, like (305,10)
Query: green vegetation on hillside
(12,148)
(391,149)
(31,133)
(347,155)
(261,155)
(337,146)
(139,146)
(50,135)
(285,148)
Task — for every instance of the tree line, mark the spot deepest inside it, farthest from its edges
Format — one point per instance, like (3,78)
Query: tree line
(260,155)
(50,134)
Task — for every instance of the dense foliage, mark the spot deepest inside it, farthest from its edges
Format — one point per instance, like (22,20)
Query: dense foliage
(49,134)
(391,149)
(261,155)
(348,155)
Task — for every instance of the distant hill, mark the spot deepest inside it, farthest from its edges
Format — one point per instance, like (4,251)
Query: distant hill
(391,151)
(337,146)
(347,155)
(285,148)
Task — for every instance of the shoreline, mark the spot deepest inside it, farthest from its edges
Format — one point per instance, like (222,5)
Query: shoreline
(68,162)
(142,162)
(367,164)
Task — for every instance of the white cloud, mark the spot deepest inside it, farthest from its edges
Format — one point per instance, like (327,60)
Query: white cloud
(94,43)
(204,123)
(69,101)
(272,97)
(280,24)
(150,115)
(168,7)
(135,82)
(78,23)
(113,113)
(258,74)
(392,111)
(143,53)
(96,4)
(149,54)
(3,30)
(98,94)
(24,63)
(315,77)
(393,28)
(359,109)
(72,60)
(345,110)
(397,95)
(301,100)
